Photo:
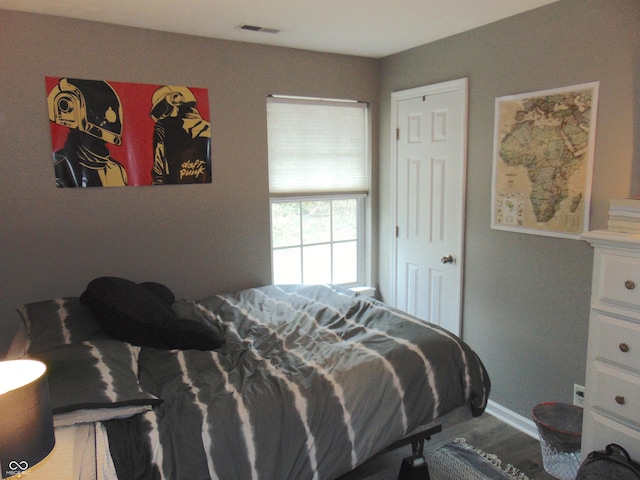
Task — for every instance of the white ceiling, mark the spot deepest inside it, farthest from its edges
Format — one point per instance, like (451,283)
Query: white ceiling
(370,28)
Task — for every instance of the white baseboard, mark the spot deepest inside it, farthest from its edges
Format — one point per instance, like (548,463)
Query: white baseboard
(514,419)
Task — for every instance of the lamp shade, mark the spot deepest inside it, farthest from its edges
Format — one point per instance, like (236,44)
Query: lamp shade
(26,423)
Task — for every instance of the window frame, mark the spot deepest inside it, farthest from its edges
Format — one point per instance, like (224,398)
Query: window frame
(361,232)
(364,231)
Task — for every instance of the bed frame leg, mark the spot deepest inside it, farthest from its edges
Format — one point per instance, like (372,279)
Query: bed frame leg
(417,447)
(414,468)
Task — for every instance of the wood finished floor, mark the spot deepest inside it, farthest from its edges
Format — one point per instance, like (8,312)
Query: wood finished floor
(486,433)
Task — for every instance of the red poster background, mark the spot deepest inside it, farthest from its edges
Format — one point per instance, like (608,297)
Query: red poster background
(136,151)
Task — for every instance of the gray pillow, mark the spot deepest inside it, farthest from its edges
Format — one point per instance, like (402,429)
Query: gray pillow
(94,381)
(61,321)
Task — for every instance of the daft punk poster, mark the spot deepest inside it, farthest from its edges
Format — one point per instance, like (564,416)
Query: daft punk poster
(107,134)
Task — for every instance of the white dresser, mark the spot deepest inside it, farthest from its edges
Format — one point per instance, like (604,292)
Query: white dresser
(612,400)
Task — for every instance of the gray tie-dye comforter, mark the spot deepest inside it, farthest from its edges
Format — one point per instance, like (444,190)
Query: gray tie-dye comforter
(311,382)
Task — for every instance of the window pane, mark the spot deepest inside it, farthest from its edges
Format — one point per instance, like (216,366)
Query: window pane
(286,266)
(317,264)
(345,219)
(316,222)
(285,224)
(345,262)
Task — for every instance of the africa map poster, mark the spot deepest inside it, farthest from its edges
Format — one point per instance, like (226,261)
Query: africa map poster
(543,161)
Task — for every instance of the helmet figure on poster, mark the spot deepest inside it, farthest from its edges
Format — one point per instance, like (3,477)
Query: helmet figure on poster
(181,138)
(92,111)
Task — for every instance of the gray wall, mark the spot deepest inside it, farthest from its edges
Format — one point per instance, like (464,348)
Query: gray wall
(196,239)
(526,297)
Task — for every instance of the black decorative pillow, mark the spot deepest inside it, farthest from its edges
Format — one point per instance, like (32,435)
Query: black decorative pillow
(135,314)
(161,291)
(61,321)
(188,310)
(94,381)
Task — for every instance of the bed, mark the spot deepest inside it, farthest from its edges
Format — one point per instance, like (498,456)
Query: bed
(276,382)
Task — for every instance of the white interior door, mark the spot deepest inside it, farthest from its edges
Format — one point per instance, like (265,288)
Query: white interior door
(430,165)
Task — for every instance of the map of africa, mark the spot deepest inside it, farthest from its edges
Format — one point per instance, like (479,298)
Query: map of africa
(542,164)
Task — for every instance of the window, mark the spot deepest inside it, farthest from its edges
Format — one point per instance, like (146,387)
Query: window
(318,183)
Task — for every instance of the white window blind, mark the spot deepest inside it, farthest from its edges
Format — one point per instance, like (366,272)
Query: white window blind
(317,146)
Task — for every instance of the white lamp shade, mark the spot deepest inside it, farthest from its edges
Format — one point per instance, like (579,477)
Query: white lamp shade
(26,423)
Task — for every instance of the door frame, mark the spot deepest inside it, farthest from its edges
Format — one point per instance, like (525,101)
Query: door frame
(461,84)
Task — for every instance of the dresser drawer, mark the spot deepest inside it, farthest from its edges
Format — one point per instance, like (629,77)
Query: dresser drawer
(619,280)
(616,340)
(600,431)
(617,392)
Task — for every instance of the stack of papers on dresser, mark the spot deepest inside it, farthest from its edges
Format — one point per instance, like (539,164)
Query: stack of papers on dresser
(624,215)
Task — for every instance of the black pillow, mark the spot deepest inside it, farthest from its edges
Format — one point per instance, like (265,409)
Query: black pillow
(162,291)
(136,314)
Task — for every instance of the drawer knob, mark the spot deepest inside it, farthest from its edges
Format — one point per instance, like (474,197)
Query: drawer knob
(624,348)
(620,400)
(629,284)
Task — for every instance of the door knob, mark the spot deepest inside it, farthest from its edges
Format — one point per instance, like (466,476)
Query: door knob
(447,259)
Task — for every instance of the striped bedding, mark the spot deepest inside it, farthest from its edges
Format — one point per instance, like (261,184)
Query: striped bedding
(311,382)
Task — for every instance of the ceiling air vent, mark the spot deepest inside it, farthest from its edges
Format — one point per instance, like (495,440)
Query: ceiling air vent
(255,28)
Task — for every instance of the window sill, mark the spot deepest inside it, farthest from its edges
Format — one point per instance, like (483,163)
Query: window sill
(364,290)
